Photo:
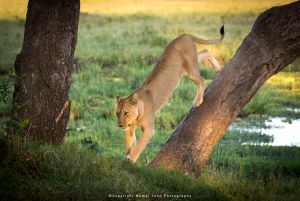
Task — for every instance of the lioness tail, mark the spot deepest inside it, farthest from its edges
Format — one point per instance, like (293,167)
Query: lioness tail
(207,42)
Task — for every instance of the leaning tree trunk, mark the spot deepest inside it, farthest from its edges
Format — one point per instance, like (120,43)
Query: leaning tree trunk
(272,44)
(43,69)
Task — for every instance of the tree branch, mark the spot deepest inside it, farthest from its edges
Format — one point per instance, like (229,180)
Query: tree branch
(272,44)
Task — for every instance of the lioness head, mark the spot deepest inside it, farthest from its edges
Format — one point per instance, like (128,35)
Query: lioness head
(127,110)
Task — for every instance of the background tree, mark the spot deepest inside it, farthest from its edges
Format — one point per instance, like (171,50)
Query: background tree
(43,69)
(272,44)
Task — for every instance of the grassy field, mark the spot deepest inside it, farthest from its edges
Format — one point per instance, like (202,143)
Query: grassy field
(118,44)
(17,8)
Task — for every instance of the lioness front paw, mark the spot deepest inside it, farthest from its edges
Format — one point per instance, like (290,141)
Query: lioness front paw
(198,102)
(130,158)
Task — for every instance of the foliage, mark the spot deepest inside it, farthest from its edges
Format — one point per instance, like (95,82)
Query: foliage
(4,91)
(114,54)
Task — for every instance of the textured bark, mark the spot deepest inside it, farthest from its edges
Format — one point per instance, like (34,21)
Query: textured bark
(43,69)
(272,44)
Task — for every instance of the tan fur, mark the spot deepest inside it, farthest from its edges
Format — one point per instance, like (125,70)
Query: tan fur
(179,58)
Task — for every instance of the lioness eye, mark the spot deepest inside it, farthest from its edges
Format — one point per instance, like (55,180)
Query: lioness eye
(125,113)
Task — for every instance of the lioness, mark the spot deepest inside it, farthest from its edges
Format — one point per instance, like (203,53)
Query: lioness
(138,109)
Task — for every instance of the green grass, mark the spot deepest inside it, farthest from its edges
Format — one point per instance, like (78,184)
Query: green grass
(74,173)
(115,53)
(78,171)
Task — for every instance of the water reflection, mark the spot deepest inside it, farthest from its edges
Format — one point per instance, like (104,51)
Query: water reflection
(284,132)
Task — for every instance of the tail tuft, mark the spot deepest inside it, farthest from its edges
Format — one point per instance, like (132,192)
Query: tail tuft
(222,30)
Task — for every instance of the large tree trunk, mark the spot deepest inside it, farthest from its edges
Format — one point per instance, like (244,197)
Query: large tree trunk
(272,44)
(43,69)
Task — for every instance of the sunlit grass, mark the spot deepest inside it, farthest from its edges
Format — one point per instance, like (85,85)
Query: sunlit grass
(116,50)
(166,7)
(17,8)
(13,9)
(286,82)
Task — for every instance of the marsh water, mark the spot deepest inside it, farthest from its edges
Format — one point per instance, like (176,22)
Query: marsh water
(283,131)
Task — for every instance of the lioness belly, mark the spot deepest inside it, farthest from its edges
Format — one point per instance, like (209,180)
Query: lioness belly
(164,84)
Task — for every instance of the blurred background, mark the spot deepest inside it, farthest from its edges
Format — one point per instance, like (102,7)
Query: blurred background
(119,42)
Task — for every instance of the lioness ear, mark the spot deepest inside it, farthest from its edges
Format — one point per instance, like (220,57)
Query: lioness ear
(134,98)
(118,99)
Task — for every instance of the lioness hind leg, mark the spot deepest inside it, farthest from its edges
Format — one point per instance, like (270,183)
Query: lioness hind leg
(194,74)
(205,54)
(200,89)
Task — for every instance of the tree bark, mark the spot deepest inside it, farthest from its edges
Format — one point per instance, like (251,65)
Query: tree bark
(43,69)
(272,44)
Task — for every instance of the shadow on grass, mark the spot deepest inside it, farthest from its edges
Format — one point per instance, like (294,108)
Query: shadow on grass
(174,183)
(71,173)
